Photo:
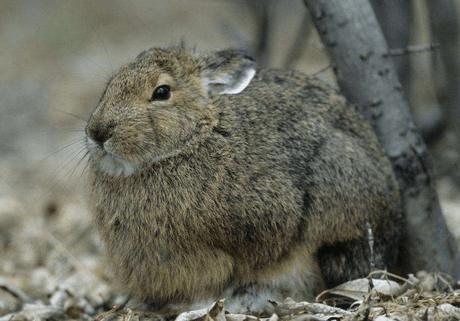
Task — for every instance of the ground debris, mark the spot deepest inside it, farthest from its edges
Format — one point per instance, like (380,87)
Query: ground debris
(289,307)
(381,297)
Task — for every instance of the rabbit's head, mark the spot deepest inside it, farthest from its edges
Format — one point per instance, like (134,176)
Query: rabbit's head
(156,106)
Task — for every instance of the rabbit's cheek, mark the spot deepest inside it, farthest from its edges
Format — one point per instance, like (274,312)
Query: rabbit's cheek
(127,139)
(168,132)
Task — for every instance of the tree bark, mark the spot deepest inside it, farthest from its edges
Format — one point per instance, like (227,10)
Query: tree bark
(395,19)
(367,77)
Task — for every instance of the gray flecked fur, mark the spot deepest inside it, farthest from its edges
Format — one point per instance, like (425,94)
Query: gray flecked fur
(252,196)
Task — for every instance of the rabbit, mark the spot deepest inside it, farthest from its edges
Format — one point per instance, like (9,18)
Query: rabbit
(211,178)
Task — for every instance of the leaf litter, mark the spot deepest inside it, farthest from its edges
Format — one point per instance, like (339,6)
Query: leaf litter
(380,297)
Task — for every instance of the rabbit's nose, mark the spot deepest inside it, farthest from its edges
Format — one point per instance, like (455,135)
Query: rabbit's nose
(100,134)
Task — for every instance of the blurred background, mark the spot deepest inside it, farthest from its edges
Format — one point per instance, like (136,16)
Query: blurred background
(55,59)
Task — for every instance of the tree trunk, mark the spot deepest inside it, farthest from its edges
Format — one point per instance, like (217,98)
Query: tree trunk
(367,77)
(395,19)
(263,13)
(445,31)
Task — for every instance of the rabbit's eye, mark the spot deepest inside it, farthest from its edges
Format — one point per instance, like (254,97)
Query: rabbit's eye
(162,92)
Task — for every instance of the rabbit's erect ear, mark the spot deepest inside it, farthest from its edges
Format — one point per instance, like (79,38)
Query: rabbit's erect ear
(227,72)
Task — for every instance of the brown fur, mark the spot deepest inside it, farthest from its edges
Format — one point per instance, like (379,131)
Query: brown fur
(240,193)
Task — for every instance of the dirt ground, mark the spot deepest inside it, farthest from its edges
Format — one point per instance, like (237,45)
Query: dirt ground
(55,58)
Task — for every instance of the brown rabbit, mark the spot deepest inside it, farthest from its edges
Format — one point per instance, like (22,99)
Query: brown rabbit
(212,179)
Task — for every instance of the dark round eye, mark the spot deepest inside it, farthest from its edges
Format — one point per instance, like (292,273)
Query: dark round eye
(162,92)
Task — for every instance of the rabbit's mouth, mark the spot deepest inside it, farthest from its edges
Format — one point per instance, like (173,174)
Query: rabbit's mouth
(109,162)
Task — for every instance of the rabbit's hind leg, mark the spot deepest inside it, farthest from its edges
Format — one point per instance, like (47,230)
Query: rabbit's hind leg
(299,279)
(345,261)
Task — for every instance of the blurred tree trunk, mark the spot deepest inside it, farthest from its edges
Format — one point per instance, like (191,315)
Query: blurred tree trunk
(395,20)
(263,13)
(367,77)
(300,42)
(445,31)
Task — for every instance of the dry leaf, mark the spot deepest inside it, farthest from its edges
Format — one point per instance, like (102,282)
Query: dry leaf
(357,290)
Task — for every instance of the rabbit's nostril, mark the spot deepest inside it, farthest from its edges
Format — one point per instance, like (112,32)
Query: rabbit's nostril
(100,134)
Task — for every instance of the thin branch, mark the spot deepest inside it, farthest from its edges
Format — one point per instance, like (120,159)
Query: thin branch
(323,69)
(414,49)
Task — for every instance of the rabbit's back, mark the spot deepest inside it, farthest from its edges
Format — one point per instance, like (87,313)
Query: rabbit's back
(296,138)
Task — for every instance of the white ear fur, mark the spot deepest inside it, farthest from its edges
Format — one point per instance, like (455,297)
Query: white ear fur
(241,84)
(229,84)
(227,72)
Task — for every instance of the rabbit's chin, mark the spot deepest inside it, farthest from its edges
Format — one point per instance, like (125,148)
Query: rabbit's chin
(116,166)
(106,161)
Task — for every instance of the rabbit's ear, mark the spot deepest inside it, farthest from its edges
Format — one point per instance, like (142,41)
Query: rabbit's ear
(227,72)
